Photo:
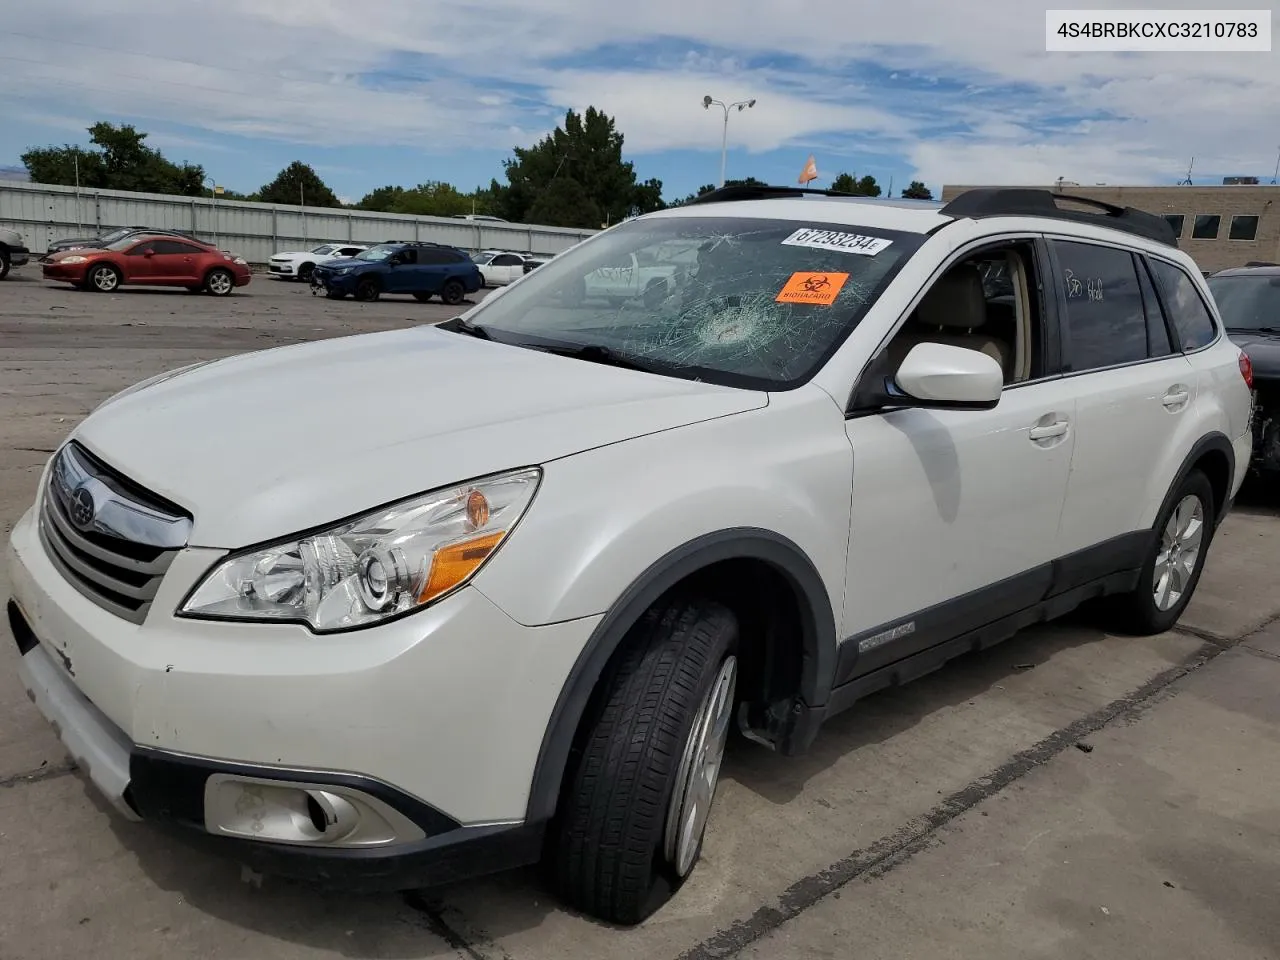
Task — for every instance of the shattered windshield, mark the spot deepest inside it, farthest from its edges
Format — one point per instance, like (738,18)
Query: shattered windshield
(743,302)
(380,252)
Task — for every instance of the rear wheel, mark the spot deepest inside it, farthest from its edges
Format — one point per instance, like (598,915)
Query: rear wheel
(1174,561)
(453,292)
(104,278)
(368,289)
(644,776)
(219,282)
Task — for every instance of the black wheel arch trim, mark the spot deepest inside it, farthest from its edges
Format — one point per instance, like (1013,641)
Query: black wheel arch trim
(1218,442)
(818,637)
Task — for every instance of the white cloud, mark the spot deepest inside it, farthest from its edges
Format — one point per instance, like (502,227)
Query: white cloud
(290,70)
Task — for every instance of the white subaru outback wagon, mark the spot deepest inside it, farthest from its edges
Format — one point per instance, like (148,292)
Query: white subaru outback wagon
(400,608)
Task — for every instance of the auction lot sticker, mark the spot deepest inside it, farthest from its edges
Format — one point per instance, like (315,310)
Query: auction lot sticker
(836,240)
(818,288)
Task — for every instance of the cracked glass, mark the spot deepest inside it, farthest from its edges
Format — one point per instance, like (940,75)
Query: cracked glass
(758,303)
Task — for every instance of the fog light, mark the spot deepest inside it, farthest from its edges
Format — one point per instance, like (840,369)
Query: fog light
(277,811)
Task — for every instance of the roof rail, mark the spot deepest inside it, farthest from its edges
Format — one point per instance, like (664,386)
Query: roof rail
(742,191)
(1028,202)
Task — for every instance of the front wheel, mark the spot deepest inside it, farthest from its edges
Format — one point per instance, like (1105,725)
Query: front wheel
(104,278)
(453,292)
(1174,561)
(305,272)
(368,290)
(5,264)
(219,283)
(640,788)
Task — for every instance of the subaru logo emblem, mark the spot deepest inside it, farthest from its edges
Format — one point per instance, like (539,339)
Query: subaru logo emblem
(83,508)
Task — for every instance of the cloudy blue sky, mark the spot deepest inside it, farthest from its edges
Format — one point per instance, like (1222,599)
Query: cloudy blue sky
(402,91)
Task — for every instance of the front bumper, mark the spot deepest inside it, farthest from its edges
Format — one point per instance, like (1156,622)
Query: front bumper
(19,256)
(67,272)
(337,282)
(176,792)
(281,269)
(438,717)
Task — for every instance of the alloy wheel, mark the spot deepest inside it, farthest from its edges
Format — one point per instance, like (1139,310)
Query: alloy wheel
(1180,544)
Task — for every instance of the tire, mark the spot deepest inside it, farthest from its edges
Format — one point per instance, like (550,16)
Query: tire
(453,292)
(368,289)
(104,278)
(617,853)
(422,297)
(219,282)
(1186,518)
(305,271)
(5,264)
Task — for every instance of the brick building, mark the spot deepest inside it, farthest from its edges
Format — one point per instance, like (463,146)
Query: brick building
(1220,226)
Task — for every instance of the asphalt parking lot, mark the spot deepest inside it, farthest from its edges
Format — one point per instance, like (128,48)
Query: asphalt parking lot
(1066,794)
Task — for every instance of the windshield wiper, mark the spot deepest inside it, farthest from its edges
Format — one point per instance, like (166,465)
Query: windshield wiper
(1253,329)
(594,353)
(470,329)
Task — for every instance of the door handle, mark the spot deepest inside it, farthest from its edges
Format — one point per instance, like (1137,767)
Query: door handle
(1049,430)
(1175,397)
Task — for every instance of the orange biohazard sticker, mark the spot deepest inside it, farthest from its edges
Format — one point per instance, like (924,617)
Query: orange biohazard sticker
(818,288)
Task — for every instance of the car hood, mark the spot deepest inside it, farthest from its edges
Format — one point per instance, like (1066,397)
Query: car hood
(294,253)
(336,262)
(267,444)
(1263,350)
(80,252)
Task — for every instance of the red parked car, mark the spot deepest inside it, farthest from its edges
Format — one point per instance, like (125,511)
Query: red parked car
(152,261)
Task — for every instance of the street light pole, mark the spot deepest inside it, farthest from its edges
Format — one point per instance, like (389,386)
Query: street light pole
(741,105)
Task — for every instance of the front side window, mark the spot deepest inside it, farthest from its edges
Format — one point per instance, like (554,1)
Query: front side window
(745,302)
(1248,301)
(1191,318)
(1105,320)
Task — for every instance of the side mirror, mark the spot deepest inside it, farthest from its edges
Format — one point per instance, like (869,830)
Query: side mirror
(148,252)
(942,376)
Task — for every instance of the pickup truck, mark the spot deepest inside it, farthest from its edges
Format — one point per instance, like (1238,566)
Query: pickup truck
(13,251)
(630,279)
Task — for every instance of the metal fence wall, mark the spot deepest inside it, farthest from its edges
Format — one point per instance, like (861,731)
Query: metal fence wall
(43,213)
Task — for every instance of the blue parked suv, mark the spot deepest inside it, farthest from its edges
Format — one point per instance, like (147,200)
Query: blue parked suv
(423,270)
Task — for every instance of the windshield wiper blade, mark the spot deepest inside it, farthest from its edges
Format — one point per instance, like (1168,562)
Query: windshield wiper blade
(470,329)
(1253,329)
(594,353)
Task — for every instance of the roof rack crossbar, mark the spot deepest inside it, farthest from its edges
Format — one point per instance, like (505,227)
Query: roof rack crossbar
(984,202)
(763,192)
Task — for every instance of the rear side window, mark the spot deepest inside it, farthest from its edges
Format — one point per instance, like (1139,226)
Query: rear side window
(1191,318)
(1106,324)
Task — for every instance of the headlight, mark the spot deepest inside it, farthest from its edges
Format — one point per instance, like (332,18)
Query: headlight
(241,260)
(386,563)
(76,259)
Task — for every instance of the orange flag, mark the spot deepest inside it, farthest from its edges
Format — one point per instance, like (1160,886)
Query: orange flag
(810,171)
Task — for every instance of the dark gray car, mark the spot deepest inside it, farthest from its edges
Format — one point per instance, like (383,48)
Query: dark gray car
(1249,300)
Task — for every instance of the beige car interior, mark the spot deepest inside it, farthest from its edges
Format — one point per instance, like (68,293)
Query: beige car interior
(958,311)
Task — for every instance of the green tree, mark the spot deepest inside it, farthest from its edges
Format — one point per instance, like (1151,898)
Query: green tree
(383,200)
(122,161)
(587,151)
(298,184)
(917,191)
(845,183)
(850,183)
(565,203)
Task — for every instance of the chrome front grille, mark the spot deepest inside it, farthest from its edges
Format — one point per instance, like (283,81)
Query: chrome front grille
(111,539)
